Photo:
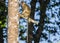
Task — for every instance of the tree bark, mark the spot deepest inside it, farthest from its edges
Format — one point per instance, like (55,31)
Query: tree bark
(43,5)
(13,21)
(30,25)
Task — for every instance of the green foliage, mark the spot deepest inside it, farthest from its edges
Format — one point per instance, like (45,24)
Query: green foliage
(22,31)
(0,22)
(1,9)
(21,26)
(3,25)
(3,14)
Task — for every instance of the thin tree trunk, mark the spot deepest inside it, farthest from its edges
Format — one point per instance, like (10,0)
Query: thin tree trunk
(13,21)
(43,5)
(30,25)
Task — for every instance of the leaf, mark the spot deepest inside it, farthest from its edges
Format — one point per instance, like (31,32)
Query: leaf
(0,22)
(21,26)
(3,25)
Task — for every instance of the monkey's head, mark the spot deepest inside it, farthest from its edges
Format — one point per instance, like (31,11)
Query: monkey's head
(23,4)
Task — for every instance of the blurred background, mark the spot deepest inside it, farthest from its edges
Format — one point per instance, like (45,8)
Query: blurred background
(46,12)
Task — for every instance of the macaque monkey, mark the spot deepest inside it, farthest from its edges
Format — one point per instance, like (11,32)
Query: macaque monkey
(26,12)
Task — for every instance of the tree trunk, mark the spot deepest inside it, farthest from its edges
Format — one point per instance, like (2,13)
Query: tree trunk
(13,21)
(30,25)
(43,5)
